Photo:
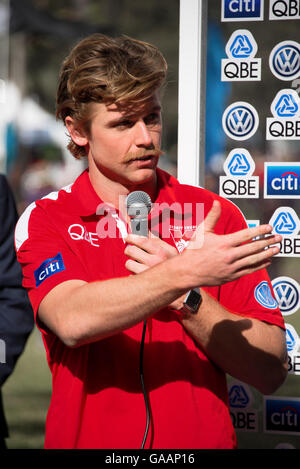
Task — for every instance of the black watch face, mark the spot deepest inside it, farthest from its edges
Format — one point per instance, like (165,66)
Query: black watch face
(193,299)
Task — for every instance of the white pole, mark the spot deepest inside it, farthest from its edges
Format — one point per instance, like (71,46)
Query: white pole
(191,97)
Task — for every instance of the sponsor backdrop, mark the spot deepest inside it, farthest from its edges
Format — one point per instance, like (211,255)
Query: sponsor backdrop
(259,170)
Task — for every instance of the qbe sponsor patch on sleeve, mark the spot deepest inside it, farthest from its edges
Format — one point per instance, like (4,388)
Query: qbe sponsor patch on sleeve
(48,268)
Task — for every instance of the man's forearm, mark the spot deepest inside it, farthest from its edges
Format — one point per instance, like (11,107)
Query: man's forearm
(80,312)
(246,348)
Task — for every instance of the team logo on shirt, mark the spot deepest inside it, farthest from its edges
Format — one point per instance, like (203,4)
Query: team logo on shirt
(48,268)
(182,235)
(264,297)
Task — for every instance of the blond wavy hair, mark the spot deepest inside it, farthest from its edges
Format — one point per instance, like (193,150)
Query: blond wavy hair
(105,70)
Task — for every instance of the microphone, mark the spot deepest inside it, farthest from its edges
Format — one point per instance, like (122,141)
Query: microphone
(138,205)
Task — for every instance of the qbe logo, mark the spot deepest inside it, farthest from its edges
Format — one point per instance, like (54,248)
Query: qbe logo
(285,222)
(284,60)
(241,64)
(292,344)
(284,10)
(243,417)
(292,339)
(287,294)
(242,10)
(240,121)
(239,182)
(285,123)
(281,415)
(281,180)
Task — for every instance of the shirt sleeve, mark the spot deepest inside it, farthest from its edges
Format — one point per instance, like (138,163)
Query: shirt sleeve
(251,295)
(45,257)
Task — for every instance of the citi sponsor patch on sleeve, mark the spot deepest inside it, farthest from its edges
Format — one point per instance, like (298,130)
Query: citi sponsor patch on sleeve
(48,268)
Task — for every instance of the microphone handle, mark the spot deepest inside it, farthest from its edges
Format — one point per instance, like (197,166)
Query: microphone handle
(139,226)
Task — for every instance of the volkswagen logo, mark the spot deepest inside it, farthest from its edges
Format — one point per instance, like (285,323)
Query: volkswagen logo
(284,60)
(287,294)
(240,121)
(263,295)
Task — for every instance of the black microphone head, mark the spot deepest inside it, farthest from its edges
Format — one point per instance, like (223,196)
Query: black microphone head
(138,199)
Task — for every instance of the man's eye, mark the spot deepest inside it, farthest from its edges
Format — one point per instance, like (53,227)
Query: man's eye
(153,118)
(124,123)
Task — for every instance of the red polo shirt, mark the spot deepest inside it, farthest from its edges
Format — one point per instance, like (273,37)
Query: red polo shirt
(97,400)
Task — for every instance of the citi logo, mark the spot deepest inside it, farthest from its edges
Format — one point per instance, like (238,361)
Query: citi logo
(282,415)
(48,268)
(282,180)
(284,60)
(242,10)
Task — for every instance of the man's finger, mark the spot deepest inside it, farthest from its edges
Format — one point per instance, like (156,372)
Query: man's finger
(255,246)
(136,253)
(248,234)
(257,258)
(152,245)
(206,226)
(250,270)
(135,267)
(212,217)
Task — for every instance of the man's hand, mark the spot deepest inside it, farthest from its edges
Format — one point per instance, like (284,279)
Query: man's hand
(146,252)
(210,258)
(223,258)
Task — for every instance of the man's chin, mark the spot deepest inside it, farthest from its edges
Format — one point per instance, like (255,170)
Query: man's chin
(144,176)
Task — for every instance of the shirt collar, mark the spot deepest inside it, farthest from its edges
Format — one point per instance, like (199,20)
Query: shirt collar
(88,200)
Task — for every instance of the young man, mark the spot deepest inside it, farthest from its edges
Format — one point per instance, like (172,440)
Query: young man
(92,294)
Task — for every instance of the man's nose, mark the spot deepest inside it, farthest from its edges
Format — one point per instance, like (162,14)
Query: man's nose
(143,135)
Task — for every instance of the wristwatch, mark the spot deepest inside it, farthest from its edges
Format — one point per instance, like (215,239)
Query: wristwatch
(192,301)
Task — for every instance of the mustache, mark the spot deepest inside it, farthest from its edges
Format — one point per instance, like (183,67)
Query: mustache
(142,153)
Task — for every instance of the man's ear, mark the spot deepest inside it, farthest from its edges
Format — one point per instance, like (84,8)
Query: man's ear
(76,132)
